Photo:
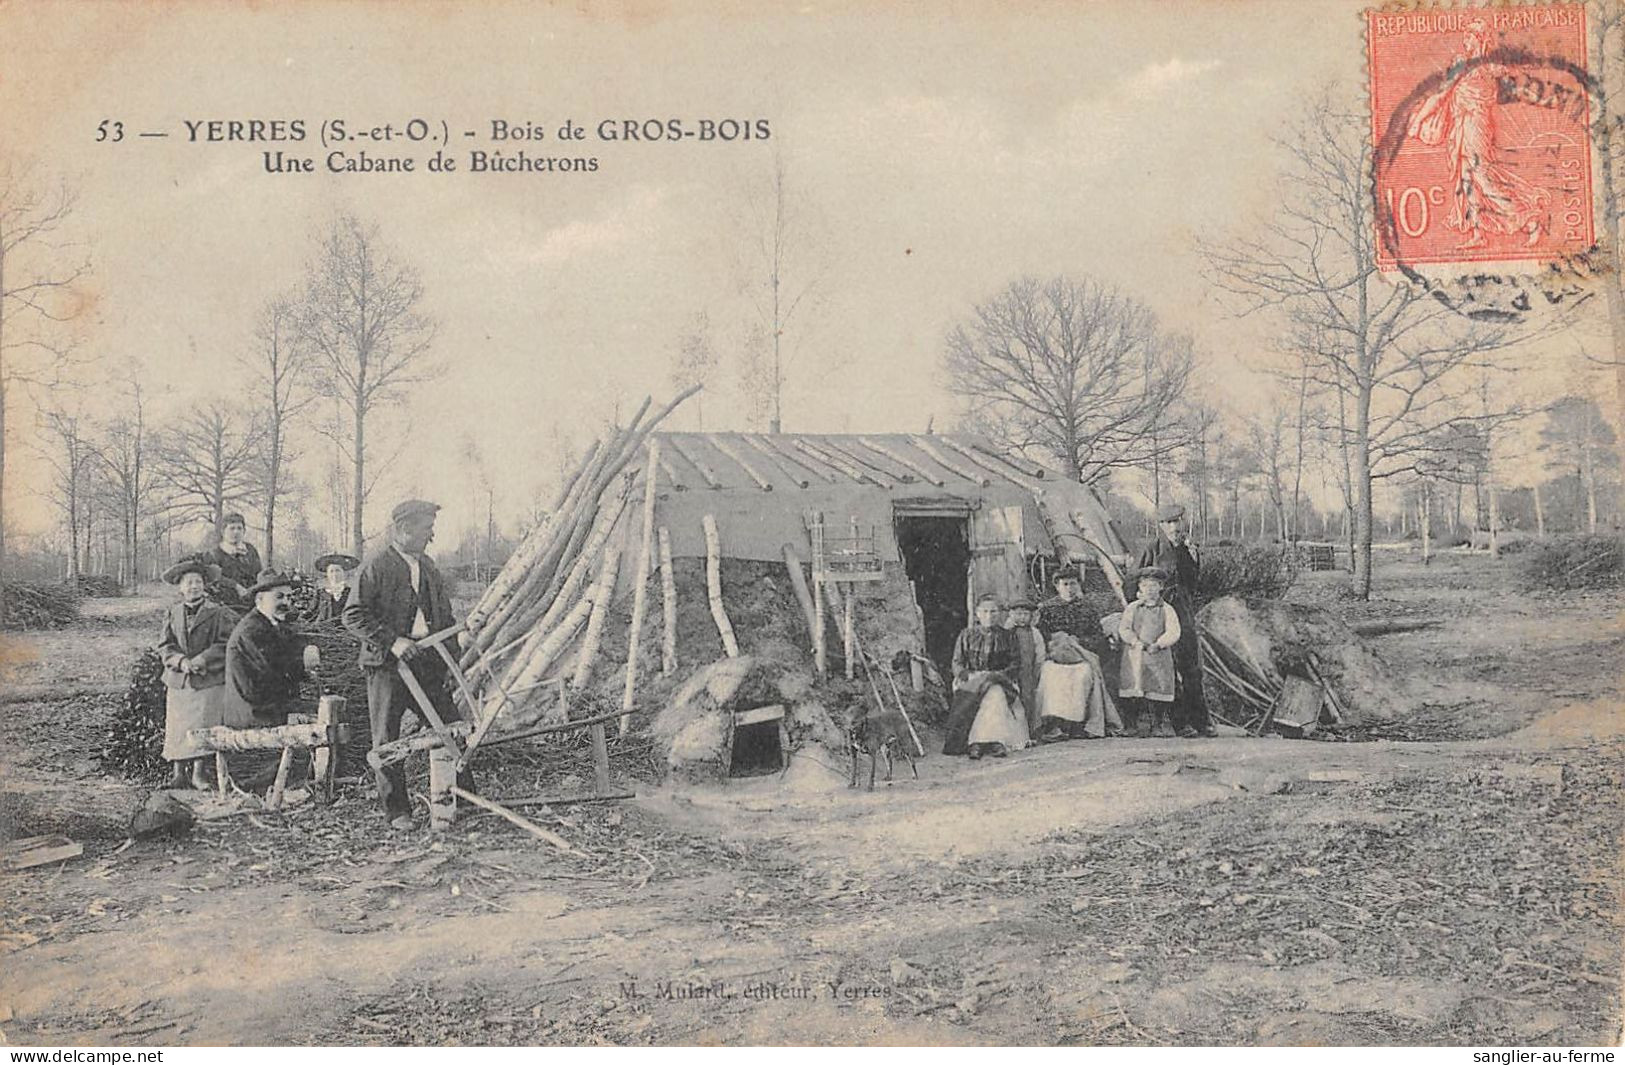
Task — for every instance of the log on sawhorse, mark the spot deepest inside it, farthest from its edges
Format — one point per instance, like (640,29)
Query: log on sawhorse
(324,736)
(451,744)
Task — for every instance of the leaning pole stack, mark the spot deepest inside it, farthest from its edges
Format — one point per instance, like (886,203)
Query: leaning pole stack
(538,610)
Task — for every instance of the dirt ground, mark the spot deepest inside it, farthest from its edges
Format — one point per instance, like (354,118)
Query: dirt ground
(1453,879)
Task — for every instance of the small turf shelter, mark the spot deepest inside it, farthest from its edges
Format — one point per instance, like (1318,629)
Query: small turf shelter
(946,517)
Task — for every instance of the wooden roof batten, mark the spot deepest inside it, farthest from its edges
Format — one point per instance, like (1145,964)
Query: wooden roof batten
(888,461)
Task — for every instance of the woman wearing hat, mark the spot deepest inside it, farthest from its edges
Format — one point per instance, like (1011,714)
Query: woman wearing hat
(331,596)
(193,646)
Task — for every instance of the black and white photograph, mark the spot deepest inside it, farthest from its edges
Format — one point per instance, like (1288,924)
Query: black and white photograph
(1091,523)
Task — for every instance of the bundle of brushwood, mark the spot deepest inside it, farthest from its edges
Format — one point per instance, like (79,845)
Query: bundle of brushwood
(546,606)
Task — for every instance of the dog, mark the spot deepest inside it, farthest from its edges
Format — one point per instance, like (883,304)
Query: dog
(877,734)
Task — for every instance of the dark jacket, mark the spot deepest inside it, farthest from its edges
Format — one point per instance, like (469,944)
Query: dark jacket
(201,638)
(1080,617)
(1181,564)
(383,603)
(237,574)
(264,665)
(328,608)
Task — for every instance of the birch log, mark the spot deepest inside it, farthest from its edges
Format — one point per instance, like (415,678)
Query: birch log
(936,455)
(518,567)
(668,606)
(820,643)
(902,460)
(603,594)
(798,581)
(713,586)
(640,587)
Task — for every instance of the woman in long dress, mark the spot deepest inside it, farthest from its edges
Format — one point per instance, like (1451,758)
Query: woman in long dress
(1072,696)
(193,645)
(331,596)
(985,716)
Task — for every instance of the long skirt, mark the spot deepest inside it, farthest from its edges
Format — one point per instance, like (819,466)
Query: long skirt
(998,721)
(1077,694)
(187,709)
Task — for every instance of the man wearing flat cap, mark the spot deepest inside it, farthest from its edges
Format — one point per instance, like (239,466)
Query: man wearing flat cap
(1172,551)
(398,597)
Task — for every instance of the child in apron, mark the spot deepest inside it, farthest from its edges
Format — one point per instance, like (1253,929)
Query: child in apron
(1149,628)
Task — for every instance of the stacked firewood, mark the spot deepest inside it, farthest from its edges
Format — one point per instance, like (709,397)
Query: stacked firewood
(551,596)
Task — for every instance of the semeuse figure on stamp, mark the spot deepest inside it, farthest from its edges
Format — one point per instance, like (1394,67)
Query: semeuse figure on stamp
(1486,193)
(399,597)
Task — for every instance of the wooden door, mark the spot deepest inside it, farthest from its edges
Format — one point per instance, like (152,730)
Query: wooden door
(998,562)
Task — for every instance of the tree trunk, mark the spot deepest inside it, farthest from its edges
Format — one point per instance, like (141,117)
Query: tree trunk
(1360,454)
(272,474)
(1540,512)
(1588,480)
(1425,517)
(359,484)
(2,431)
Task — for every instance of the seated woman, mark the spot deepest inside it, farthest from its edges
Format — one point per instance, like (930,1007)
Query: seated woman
(331,596)
(1072,696)
(985,716)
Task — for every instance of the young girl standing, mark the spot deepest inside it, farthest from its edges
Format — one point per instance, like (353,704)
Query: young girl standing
(1149,628)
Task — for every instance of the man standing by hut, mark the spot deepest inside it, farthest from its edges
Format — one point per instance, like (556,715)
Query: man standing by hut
(398,597)
(1172,551)
(238,561)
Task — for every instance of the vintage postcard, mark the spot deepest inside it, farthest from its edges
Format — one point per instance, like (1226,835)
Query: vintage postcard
(852,523)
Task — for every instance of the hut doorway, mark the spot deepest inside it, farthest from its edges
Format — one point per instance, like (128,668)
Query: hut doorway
(936,557)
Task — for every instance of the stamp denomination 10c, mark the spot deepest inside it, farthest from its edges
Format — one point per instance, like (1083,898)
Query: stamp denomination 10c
(1481,123)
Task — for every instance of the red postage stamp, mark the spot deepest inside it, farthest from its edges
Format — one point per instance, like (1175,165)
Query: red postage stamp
(1481,124)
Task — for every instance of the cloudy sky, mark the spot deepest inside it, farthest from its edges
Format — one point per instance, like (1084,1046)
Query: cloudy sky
(932,159)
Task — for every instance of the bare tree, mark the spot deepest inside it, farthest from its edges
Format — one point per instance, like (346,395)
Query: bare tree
(1201,422)
(123,448)
(38,274)
(779,274)
(1577,435)
(368,341)
(695,362)
(64,443)
(208,461)
(1071,367)
(754,369)
(1391,353)
(278,368)
(1607,20)
(1266,439)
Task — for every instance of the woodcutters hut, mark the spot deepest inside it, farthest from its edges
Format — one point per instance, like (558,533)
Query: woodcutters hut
(720,580)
